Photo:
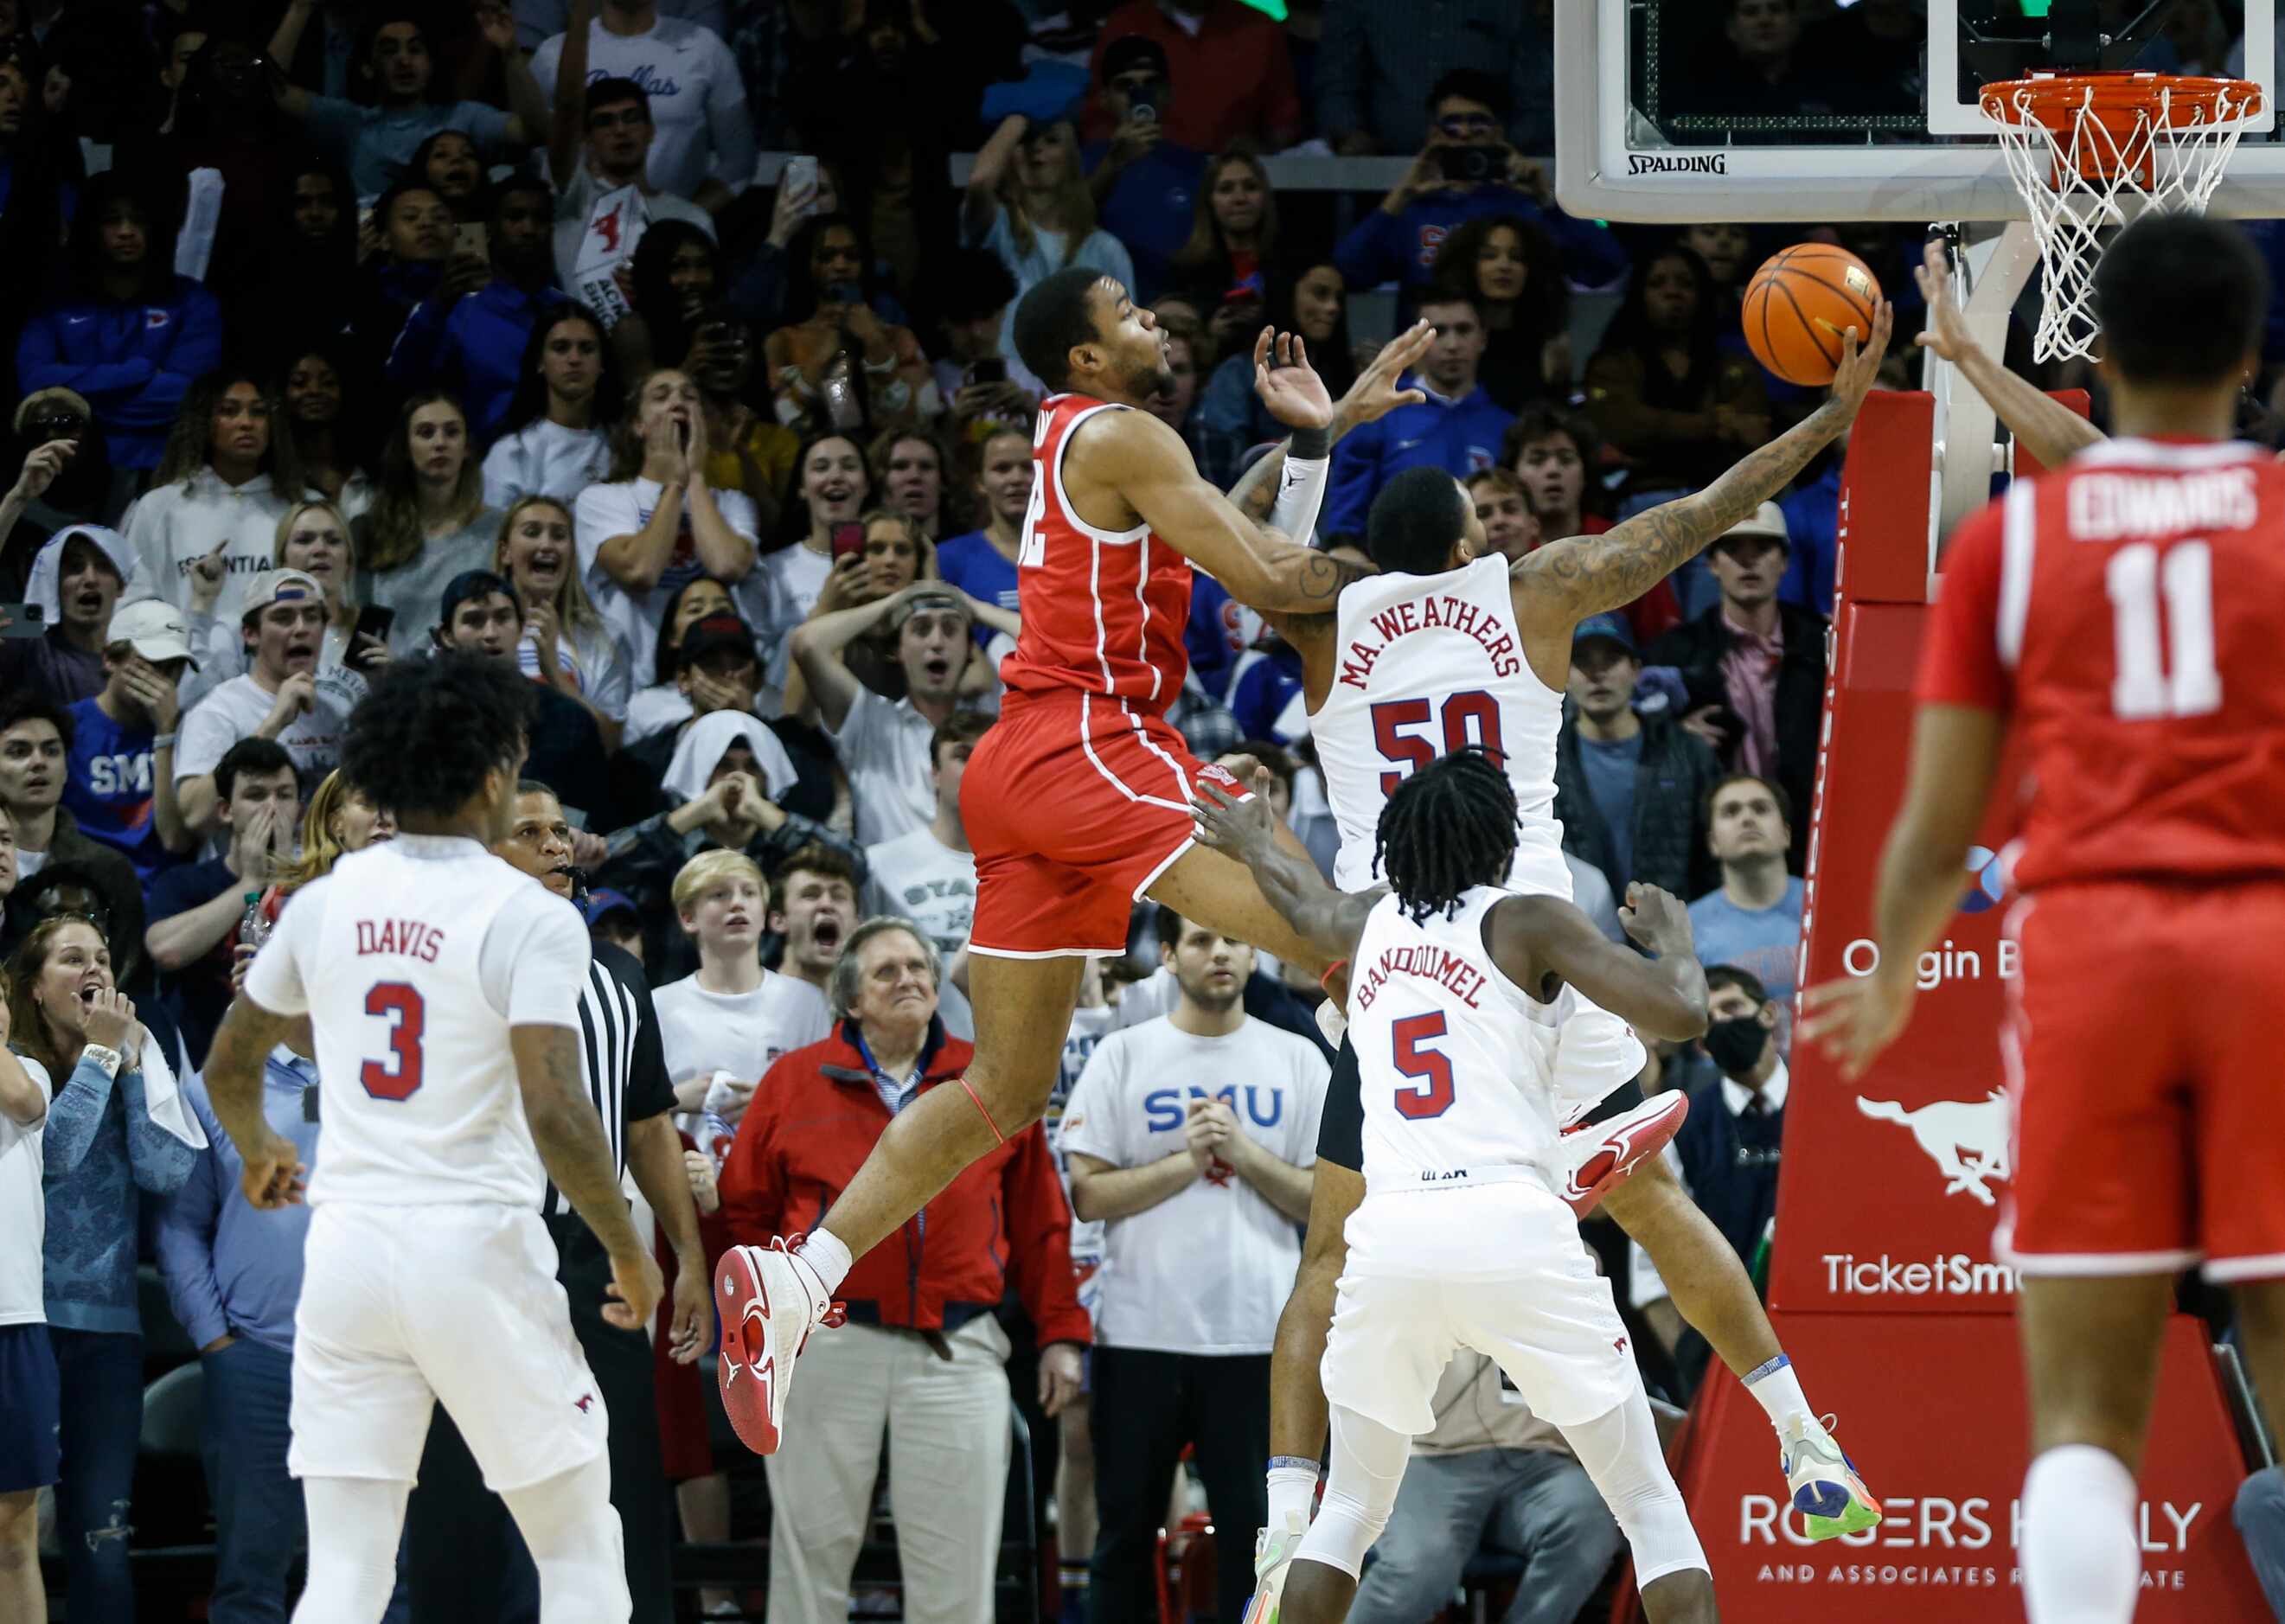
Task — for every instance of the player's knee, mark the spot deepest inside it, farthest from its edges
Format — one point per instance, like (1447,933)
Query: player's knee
(1344,1530)
(1684,1597)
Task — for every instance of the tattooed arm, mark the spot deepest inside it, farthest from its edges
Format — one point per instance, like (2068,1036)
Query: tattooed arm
(1133,458)
(1561,584)
(569,1136)
(1373,395)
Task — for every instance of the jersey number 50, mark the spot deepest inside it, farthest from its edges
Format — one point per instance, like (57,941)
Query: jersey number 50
(402,1007)
(1469,718)
(1433,1097)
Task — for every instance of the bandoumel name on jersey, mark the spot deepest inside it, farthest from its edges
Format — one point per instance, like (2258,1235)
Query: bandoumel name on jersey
(2123,610)
(1103,611)
(1428,962)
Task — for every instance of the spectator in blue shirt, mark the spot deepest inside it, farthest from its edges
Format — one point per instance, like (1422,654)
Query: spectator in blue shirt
(472,343)
(119,780)
(1144,183)
(377,142)
(1399,240)
(1753,920)
(1456,426)
(233,1276)
(982,564)
(132,335)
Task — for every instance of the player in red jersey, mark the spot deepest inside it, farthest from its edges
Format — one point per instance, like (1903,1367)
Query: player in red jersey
(2124,614)
(1077,801)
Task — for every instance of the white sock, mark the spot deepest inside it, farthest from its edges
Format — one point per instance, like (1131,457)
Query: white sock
(2081,1559)
(823,1251)
(1292,1490)
(1778,1390)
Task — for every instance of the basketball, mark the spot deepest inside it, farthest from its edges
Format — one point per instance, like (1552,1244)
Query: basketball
(1801,301)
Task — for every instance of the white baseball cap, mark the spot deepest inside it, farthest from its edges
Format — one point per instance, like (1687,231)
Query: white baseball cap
(1767,521)
(155,630)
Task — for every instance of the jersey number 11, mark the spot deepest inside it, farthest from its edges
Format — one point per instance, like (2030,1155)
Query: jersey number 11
(2147,685)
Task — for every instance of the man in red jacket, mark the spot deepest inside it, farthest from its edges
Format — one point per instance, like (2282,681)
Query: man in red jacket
(921,1357)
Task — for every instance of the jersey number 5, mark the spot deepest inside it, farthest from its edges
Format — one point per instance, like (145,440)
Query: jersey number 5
(1469,718)
(1433,1097)
(402,1006)
(2145,687)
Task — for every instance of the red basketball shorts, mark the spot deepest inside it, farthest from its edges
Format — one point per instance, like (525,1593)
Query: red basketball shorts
(2142,1061)
(1074,807)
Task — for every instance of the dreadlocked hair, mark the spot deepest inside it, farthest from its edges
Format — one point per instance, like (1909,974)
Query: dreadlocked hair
(1448,827)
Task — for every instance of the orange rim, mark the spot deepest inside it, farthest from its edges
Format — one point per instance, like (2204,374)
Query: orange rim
(2123,104)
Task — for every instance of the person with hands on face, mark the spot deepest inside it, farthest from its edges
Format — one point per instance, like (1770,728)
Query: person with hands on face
(659,522)
(196,909)
(894,555)
(1399,240)
(118,1129)
(566,645)
(121,783)
(460,1303)
(923,1361)
(1190,1136)
(459,1554)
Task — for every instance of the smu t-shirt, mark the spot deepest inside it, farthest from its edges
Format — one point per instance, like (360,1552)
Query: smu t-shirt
(108,789)
(1207,1270)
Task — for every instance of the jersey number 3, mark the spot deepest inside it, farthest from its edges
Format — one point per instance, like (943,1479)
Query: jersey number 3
(1469,718)
(2147,685)
(1433,1096)
(398,1078)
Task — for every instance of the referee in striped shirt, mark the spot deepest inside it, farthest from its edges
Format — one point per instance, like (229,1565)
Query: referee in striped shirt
(463,1557)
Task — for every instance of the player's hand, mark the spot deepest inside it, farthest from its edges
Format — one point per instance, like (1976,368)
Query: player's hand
(1947,331)
(1233,828)
(1860,362)
(274,1176)
(111,1023)
(1060,1373)
(1288,385)
(703,1190)
(1375,394)
(1854,1019)
(693,1310)
(1656,920)
(636,1286)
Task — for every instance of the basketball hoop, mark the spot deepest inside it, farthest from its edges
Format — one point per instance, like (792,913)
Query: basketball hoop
(2080,147)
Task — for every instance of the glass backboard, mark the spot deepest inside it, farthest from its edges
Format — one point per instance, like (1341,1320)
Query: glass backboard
(1876,117)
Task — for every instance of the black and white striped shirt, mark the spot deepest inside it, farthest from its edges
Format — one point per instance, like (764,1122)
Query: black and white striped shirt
(620,1058)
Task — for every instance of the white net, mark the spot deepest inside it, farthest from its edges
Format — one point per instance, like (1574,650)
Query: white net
(2089,155)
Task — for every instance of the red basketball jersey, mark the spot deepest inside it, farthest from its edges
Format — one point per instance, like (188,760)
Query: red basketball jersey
(2128,612)
(1103,610)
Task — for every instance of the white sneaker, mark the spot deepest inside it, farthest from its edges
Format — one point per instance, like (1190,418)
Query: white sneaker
(1273,1554)
(1598,1156)
(769,1301)
(1822,1483)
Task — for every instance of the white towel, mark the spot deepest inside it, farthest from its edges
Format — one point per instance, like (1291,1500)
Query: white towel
(164,1099)
(706,741)
(44,586)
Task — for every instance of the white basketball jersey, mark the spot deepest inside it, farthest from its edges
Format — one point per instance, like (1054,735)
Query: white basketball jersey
(419,1101)
(1427,664)
(1456,1067)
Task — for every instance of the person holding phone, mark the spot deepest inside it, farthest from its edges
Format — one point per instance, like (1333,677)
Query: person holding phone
(831,305)
(1144,180)
(833,487)
(1231,251)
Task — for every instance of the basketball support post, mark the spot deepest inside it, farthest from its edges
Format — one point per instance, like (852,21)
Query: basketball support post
(1990,269)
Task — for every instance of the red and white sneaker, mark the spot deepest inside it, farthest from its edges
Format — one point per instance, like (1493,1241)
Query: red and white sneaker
(1597,1156)
(769,1300)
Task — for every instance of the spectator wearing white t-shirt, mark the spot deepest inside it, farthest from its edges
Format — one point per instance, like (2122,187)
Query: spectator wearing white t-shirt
(883,744)
(222,485)
(704,149)
(657,524)
(568,389)
(601,145)
(286,694)
(928,876)
(733,1018)
(29,1458)
(834,487)
(1192,1138)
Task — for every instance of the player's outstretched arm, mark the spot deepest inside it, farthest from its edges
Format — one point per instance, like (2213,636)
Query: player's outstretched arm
(1663,997)
(2043,425)
(1330,920)
(1561,584)
(273,1173)
(569,1135)
(1281,377)
(1148,464)
(1955,758)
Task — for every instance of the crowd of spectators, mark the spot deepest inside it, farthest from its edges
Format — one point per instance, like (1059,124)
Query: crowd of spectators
(346,330)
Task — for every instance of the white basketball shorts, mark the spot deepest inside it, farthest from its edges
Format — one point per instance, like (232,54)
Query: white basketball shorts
(404,1306)
(1497,1267)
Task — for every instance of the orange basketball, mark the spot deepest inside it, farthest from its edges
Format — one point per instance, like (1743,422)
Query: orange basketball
(1801,301)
